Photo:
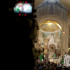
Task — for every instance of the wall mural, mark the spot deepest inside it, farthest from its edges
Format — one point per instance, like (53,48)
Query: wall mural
(49,42)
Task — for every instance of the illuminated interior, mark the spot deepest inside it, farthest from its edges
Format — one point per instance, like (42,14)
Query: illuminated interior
(49,38)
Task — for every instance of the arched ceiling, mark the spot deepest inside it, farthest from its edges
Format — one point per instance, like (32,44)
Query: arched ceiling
(50,26)
(64,2)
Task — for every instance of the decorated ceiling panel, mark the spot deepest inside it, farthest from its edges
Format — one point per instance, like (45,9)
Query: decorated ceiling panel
(50,26)
(65,2)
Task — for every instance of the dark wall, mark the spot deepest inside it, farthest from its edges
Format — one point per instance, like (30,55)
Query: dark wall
(20,48)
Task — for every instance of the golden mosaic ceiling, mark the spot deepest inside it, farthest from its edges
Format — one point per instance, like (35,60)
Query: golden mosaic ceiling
(50,26)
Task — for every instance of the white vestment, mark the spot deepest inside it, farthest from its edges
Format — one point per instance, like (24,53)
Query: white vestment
(67,61)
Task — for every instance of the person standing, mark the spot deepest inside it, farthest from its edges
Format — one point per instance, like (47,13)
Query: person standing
(67,60)
(62,61)
(45,51)
(41,57)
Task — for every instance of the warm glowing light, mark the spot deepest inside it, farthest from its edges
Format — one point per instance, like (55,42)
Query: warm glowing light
(50,23)
(69,48)
(59,26)
(51,60)
(63,32)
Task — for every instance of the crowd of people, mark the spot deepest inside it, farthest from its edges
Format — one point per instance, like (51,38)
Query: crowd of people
(44,64)
(49,66)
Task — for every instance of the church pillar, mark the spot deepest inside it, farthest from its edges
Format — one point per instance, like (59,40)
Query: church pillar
(65,38)
(68,33)
(66,24)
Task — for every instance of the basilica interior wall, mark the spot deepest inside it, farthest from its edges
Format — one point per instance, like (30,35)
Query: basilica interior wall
(65,30)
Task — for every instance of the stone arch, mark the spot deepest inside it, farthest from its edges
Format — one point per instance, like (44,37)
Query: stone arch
(57,19)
